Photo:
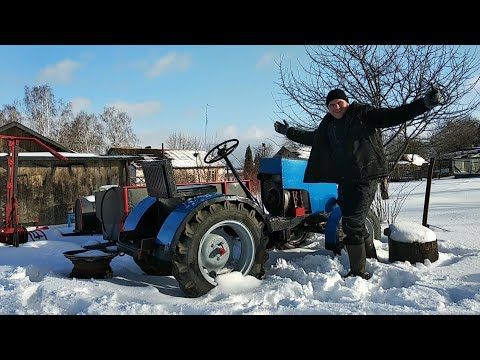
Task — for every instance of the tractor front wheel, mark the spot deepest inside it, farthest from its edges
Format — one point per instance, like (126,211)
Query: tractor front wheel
(220,238)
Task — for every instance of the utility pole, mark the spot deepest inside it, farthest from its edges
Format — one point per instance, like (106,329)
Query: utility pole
(206,123)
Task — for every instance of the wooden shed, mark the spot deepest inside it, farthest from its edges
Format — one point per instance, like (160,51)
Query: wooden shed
(46,186)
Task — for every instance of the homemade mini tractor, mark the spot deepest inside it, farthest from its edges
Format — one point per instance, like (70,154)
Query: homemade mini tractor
(197,234)
(11,231)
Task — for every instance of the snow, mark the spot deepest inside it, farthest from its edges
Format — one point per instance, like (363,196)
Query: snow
(415,159)
(408,232)
(189,159)
(90,198)
(91,253)
(34,278)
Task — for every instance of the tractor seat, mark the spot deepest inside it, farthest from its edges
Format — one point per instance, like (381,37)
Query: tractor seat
(161,183)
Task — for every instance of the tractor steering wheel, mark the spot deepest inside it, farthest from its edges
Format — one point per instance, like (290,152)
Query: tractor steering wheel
(223,151)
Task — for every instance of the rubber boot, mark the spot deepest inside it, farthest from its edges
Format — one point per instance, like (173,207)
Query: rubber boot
(357,257)
(370,251)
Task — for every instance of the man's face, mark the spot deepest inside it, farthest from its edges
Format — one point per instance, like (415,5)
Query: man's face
(337,108)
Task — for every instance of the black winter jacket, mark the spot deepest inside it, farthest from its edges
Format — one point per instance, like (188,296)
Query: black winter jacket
(363,142)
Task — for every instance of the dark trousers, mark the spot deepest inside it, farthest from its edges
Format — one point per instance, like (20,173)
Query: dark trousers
(355,199)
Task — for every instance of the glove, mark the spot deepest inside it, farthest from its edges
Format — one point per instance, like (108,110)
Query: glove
(281,128)
(433,98)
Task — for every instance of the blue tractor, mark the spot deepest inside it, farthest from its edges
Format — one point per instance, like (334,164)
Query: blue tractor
(195,233)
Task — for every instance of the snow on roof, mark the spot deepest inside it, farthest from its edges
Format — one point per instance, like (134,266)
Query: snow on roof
(304,152)
(412,159)
(415,159)
(190,159)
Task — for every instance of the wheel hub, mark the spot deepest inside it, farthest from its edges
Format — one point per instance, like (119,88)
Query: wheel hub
(215,252)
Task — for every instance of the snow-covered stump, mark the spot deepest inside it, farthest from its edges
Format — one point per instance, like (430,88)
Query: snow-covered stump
(411,242)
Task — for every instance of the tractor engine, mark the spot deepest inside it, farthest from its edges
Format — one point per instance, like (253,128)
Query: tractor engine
(285,194)
(303,206)
(283,202)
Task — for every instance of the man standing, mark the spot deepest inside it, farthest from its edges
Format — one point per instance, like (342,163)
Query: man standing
(347,149)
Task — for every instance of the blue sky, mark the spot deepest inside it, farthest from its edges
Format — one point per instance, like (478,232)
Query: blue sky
(165,89)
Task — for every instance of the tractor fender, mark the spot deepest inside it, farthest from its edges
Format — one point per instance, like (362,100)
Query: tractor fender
(137,213)
(177,219)
(331,226)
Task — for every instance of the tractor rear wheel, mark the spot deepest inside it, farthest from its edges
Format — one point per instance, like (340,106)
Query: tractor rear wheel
(220,238)
(296,240)
(153,266)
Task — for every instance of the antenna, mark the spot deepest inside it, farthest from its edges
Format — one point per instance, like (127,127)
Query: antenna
(206,123)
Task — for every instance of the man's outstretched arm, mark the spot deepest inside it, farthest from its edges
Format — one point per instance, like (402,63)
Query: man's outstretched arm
(382,118)
(300,136)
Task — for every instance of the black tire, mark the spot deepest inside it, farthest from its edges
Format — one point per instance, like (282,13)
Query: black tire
(16,237)
(296,240)
(153,266)
(212,233)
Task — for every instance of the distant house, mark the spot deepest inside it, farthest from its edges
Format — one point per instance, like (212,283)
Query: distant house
(466,163)
(47,186)
(409,167)
(188,165)
(463,163)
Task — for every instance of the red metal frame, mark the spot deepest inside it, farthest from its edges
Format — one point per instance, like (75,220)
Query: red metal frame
(12,227)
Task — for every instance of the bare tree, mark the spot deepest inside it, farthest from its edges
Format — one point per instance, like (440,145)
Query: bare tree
(202,172)
(83,134)
(64,119)
(10,113)
(389,210)
(264,150)
(455,136)
(396,148)
(117,128)
(383,76)
(180,141)
(43,111)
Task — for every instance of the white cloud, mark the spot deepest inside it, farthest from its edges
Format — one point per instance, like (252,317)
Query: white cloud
(255,133)
(170,62)
(230,132)
(153,138)
(60,72)
(80,103)
(265,60)
(138,110)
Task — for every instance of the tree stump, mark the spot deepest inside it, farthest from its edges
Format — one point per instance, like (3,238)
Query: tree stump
(411,242)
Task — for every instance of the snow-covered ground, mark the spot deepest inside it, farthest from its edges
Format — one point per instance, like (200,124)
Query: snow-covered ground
(34,278)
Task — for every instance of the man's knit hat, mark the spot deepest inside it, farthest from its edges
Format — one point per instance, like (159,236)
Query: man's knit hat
(336,94)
